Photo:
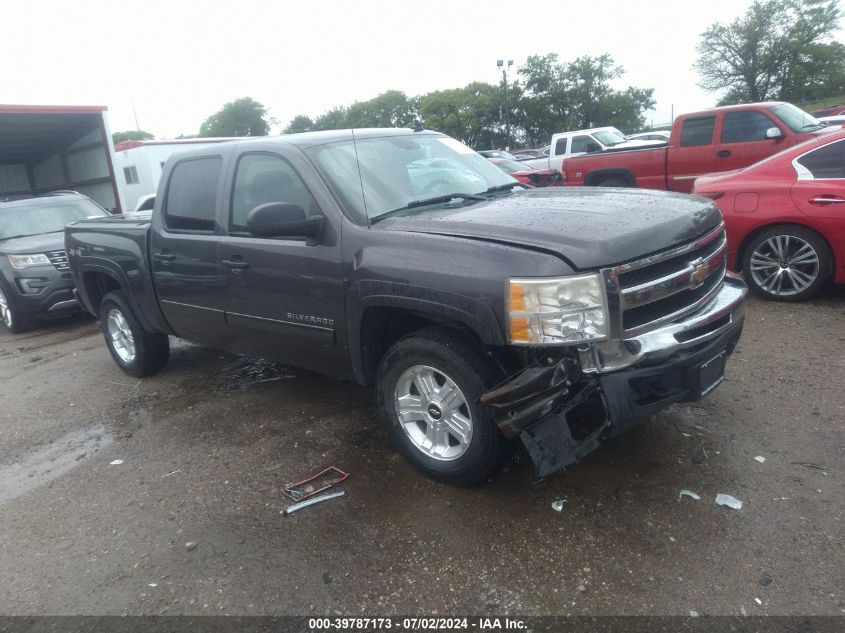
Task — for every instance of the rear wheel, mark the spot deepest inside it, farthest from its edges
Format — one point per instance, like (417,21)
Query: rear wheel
(11,318)
(787,263)
(429,385)
(137,352)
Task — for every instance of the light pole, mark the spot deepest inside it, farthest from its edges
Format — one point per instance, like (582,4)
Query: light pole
(500,63)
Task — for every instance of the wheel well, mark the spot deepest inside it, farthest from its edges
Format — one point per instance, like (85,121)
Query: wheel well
(382,327)
(97,285)
(595,179)
(740,252)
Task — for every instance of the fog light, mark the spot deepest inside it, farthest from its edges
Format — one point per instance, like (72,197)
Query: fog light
(32,285)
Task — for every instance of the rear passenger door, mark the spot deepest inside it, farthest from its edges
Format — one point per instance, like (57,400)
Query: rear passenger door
(283,296)
(183,250)
(742,140)
(693,154)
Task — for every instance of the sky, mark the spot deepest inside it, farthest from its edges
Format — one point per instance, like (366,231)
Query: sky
(175,63)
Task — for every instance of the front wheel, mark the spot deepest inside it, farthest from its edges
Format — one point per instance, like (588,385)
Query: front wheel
(613,182)
(13,321)
(429,385)
(787,263)
(137,352)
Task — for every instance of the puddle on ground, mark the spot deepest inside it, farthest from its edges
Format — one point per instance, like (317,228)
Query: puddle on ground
(50,462)
(246,372)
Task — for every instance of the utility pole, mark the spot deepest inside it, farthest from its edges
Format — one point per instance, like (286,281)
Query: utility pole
(501,64)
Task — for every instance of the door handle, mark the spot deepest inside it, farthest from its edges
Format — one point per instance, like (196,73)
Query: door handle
(236,263)
(724,153)
(164,257)
(823,200)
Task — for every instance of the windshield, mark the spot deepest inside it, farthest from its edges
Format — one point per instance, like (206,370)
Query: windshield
(50,215)
(795,118)
(609,138)
(391,172)
(510,166)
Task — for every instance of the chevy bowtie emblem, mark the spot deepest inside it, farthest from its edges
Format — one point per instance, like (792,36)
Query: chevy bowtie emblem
(698,274)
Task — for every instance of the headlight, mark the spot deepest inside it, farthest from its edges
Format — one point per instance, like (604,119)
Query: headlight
(25,261)
(557,311)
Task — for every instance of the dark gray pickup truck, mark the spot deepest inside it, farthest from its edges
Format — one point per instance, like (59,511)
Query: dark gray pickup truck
(483,312)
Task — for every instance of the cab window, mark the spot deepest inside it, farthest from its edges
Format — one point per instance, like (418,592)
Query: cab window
(697,131)
(263,178)
(560,146)
(744,127)
(191,199)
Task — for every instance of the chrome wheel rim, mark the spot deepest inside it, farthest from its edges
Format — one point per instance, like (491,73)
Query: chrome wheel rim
(433,413)
(120,335)
(5,310)
(784,265)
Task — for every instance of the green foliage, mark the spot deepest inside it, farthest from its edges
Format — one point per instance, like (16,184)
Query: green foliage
(776,50)
(131,135)
(559,96)
(299,123)
(242,117)
(469,114)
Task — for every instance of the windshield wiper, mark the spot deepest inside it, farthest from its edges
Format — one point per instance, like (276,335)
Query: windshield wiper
(427,201)
(14,237)
(505,187)
(811,125)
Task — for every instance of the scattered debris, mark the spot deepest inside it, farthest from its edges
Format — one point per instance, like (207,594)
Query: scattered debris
(758,601)
(688,493)
(765,581)
(246,372)
(191,545)
(760,459)
(557,506)
(315,484)
(780,498)
(693,614)
(116,462)
(809,465)
(171,473)
(153,584)
(327,580)
(310,502)
(34,359)
(581,588)
(729,501)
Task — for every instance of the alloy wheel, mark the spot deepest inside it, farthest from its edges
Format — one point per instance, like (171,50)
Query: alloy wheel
(121,336)
(784,265)
(5,310)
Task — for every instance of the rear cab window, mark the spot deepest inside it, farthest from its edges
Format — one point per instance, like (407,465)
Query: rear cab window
(560,146)
(191,201)
(697,131)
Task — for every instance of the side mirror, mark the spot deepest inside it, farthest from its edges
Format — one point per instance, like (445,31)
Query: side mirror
(774,132)
(282,219)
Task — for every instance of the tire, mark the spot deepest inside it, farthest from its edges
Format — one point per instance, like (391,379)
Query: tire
(137,352)
(787,263)
(12,319)
(465,450)
(613,182)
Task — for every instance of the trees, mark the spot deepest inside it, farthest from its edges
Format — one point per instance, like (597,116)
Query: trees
(241,117)
(299,123)
(776,50)
(469,114)
(568,96)
(131,135)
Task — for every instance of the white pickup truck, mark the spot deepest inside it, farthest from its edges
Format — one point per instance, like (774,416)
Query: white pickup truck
(598,139)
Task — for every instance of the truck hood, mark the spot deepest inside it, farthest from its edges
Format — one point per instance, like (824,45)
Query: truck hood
(588,227)
(33,244)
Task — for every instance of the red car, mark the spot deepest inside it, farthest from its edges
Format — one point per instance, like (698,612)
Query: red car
(528,175)
(785,218)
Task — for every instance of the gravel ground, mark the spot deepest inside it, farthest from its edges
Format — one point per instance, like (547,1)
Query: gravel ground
(207,445)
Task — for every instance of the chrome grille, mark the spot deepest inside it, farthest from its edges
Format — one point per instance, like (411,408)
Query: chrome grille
(666,286)
(59,260)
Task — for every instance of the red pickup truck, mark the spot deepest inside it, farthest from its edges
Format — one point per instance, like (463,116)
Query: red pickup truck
(715,140)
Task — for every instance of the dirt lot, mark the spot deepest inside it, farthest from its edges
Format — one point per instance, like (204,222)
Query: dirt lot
(207,444)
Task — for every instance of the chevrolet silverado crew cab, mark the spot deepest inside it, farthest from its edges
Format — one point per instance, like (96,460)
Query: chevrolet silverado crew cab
(715,140)
(483,311)
(599,139)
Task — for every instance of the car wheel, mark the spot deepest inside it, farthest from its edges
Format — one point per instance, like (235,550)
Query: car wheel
(787,263)
(429,385)
(13,321)
(137,352)
(613,182)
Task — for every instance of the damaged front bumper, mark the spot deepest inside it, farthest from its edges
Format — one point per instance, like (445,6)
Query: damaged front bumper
(563,409)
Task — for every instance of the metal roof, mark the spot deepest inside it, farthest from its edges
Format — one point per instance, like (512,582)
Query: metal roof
(29,133)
